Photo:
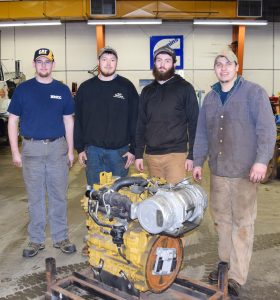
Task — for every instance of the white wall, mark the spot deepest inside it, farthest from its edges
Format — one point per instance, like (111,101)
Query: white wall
(74,47)
(262,56)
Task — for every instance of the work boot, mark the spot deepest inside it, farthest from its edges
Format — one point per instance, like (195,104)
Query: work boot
(213,276)
(32,249)
(233,287)
(65,246)
(85,250)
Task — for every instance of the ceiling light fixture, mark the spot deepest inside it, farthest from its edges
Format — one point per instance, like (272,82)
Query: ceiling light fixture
(30,23)
(125,22)
(229,22)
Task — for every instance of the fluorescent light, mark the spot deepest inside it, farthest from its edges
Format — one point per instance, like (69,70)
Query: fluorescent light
(229,22)
(30,23)
(125,22)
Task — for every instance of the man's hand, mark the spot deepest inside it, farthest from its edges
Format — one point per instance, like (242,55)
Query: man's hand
(197,173)
(188,165)
(257,172)
(13,138)
(82,158)
(17,159)
(70,158)
(139,165)
(130,159)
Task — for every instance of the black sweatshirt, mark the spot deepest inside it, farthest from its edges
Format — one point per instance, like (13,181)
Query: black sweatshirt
(167,118)
(105,114)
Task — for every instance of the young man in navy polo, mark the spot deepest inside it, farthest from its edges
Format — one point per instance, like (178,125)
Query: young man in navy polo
(44,107)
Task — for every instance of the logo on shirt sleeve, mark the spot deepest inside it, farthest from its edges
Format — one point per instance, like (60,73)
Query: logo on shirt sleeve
(55,97)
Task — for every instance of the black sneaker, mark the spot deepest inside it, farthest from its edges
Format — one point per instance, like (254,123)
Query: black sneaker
(234,287)
(213,276)
(65,246)
(32,249)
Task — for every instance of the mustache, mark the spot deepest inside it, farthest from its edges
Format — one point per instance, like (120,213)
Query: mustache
(108,74)
(159,76)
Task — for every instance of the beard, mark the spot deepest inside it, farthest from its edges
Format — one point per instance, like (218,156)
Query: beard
(163,76)
(107,74)
(44,75)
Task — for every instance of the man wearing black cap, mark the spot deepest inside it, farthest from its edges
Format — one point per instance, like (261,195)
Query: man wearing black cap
(167,120)
(236,130)
(44,107)
(105,120)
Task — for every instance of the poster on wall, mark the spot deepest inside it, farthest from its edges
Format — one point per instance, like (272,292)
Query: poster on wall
(175,42)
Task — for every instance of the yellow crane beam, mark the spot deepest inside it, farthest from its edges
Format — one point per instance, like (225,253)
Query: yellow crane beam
(80,9)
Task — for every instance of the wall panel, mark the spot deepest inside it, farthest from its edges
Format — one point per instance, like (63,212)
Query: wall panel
(74,46)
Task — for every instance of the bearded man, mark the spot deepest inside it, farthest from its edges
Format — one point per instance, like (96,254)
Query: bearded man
(105,120)
(168,112)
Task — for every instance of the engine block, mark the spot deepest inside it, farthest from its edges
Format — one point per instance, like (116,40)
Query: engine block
(135,225)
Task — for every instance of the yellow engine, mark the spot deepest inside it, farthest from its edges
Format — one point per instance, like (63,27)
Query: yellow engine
(135,225)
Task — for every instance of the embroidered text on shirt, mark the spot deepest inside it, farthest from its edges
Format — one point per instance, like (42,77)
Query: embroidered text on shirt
(55,97)
(119,95)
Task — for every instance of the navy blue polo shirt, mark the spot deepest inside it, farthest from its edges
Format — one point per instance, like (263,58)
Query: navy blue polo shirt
(41,108)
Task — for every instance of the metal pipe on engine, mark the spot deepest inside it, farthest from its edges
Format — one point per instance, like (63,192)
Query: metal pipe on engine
(128,181)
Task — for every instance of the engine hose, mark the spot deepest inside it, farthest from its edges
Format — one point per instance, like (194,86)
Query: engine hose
(123,256)
(118,200)
(128,181)
(91,194)
(95,219)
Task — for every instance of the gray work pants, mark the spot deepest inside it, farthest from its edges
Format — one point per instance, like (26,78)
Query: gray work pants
(233,204)
(45,170)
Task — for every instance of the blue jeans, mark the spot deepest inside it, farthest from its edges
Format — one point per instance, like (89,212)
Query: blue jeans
(108,160)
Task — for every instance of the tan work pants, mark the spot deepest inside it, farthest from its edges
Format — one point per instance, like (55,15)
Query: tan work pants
(170,166)
(233,204)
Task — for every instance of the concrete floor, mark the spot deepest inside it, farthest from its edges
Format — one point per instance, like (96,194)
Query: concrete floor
(22,278)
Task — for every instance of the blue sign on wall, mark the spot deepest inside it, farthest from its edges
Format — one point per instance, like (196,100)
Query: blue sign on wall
(176,42)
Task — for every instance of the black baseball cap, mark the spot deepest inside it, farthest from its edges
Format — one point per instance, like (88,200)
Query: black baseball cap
(44,52)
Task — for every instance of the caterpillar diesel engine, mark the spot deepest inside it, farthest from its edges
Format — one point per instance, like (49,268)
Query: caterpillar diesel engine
(135,225)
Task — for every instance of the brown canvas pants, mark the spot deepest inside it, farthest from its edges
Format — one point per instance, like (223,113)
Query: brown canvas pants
(170,166)
(233,205)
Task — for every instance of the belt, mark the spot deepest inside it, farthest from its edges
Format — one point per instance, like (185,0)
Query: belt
(39,140)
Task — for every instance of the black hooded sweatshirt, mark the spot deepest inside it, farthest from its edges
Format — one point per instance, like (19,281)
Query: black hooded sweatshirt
(167,118)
